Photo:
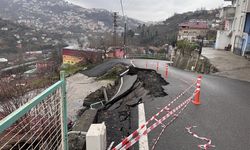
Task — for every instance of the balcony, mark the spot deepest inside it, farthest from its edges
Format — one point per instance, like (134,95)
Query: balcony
(228,12)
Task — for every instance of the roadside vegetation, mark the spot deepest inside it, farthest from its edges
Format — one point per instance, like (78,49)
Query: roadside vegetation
(186,47)
(113,74)
(72,69)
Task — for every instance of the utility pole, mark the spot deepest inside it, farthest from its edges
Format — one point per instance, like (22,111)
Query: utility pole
(125,28)
(114,29)
(125,34)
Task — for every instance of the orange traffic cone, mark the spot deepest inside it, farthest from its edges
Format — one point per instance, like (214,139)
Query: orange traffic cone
(196,100)
(166,72)
(157,66)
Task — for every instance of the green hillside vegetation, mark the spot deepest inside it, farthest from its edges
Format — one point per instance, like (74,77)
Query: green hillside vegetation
(166,32)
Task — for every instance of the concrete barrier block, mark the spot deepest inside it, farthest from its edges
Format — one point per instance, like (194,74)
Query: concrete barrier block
(96,137)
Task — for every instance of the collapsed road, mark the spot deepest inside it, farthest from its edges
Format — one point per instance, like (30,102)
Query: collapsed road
(221,117)
(121,114)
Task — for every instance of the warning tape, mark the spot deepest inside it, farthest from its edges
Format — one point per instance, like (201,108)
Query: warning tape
(137,138)
(165,126)
(202,146)
(136,132)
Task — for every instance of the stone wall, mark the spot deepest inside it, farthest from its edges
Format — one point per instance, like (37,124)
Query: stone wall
(193,62)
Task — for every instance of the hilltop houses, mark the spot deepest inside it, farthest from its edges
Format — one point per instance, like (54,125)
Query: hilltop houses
(192,30)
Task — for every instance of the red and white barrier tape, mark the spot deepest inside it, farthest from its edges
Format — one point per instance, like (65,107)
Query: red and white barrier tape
(136,138)
(202,146)
(160,121)
(165,126)
(136,132)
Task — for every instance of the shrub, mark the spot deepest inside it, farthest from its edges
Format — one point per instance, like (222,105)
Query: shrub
(186,47)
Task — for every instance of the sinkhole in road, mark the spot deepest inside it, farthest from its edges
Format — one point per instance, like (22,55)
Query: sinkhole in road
(152,81)
(121,118)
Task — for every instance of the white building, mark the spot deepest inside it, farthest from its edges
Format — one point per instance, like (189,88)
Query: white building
(241,28)
(224,35)
(3,60)
(236,33)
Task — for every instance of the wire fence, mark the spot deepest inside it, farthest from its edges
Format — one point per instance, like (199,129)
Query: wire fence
(41,123)
(148,56)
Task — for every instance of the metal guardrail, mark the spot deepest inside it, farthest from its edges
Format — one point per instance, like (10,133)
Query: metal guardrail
(148,56)
(41,123)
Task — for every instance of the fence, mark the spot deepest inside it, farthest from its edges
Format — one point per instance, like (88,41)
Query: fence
(41,123)
(148,56)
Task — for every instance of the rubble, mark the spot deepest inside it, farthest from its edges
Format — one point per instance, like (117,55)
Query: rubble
(121,109)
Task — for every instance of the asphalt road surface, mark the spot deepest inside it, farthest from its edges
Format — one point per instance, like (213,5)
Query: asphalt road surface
(223,115)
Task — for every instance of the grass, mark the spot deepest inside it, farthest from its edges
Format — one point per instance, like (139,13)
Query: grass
(44,81)
(113,73)
(72,69)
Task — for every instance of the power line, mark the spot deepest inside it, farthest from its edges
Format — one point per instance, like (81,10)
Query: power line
(122,9)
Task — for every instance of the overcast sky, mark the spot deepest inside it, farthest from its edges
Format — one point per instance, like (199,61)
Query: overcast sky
(150,10)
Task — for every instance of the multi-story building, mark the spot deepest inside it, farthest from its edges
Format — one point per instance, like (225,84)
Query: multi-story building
(72,55)
(239,33)
(224,34)
(192,30)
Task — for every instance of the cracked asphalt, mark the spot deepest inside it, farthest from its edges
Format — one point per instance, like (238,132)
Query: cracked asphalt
(223,115)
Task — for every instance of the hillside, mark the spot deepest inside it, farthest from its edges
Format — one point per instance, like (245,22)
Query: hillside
(60,16)
(166,31)
(19,38)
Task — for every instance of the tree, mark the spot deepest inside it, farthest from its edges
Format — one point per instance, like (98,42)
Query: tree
(186,47)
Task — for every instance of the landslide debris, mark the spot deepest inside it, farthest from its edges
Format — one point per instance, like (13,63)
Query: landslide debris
(152,81)
(98,95)
(121,116)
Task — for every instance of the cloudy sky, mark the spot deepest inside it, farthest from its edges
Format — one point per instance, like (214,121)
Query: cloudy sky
(150,10)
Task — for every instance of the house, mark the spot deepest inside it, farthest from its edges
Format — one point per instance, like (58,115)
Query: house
(3,62)
(45,66)
(74,55)
(30,73)
(240,28)
(192,29)
(224,34)
(115,53)
(33,53)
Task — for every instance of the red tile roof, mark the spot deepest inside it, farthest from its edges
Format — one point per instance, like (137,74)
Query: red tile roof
(194,25)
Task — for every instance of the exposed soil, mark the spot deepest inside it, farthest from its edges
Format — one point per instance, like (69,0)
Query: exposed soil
(98,95)
(120,117)
(152,81)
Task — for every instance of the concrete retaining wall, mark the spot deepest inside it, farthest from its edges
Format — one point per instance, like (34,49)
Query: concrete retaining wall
(193,62)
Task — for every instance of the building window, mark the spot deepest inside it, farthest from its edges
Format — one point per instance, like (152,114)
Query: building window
(243,6)
(234,23)
(241,23)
